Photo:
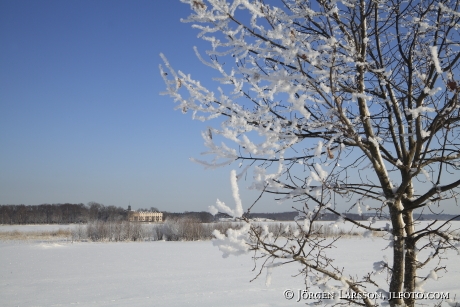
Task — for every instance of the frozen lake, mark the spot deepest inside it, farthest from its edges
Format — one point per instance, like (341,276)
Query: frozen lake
(167,274)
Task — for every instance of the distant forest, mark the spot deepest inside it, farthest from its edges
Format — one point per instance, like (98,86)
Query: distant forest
(80,213)
(93,211)
(61,213)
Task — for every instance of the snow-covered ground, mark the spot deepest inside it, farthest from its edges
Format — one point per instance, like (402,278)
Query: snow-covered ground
(167,274)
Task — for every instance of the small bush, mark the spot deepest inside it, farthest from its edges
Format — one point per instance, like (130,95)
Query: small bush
(173,229)
(36,235)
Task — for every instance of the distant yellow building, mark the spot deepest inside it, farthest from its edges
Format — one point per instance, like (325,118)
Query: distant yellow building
(139,216)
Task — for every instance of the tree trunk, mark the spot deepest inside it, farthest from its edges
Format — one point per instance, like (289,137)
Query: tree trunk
(397,277)
(410,260)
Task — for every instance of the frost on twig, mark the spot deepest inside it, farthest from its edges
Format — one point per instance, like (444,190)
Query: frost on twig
(221,206)
(233,242)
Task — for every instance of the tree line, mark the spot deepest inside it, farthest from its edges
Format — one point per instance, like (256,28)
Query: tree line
(60,213)
(68,213)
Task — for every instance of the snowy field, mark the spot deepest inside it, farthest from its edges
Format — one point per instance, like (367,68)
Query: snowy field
(168,274)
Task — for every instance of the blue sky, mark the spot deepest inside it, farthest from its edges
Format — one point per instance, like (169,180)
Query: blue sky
(81,118)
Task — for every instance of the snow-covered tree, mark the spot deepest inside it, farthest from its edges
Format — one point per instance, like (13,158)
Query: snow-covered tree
(334,102)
